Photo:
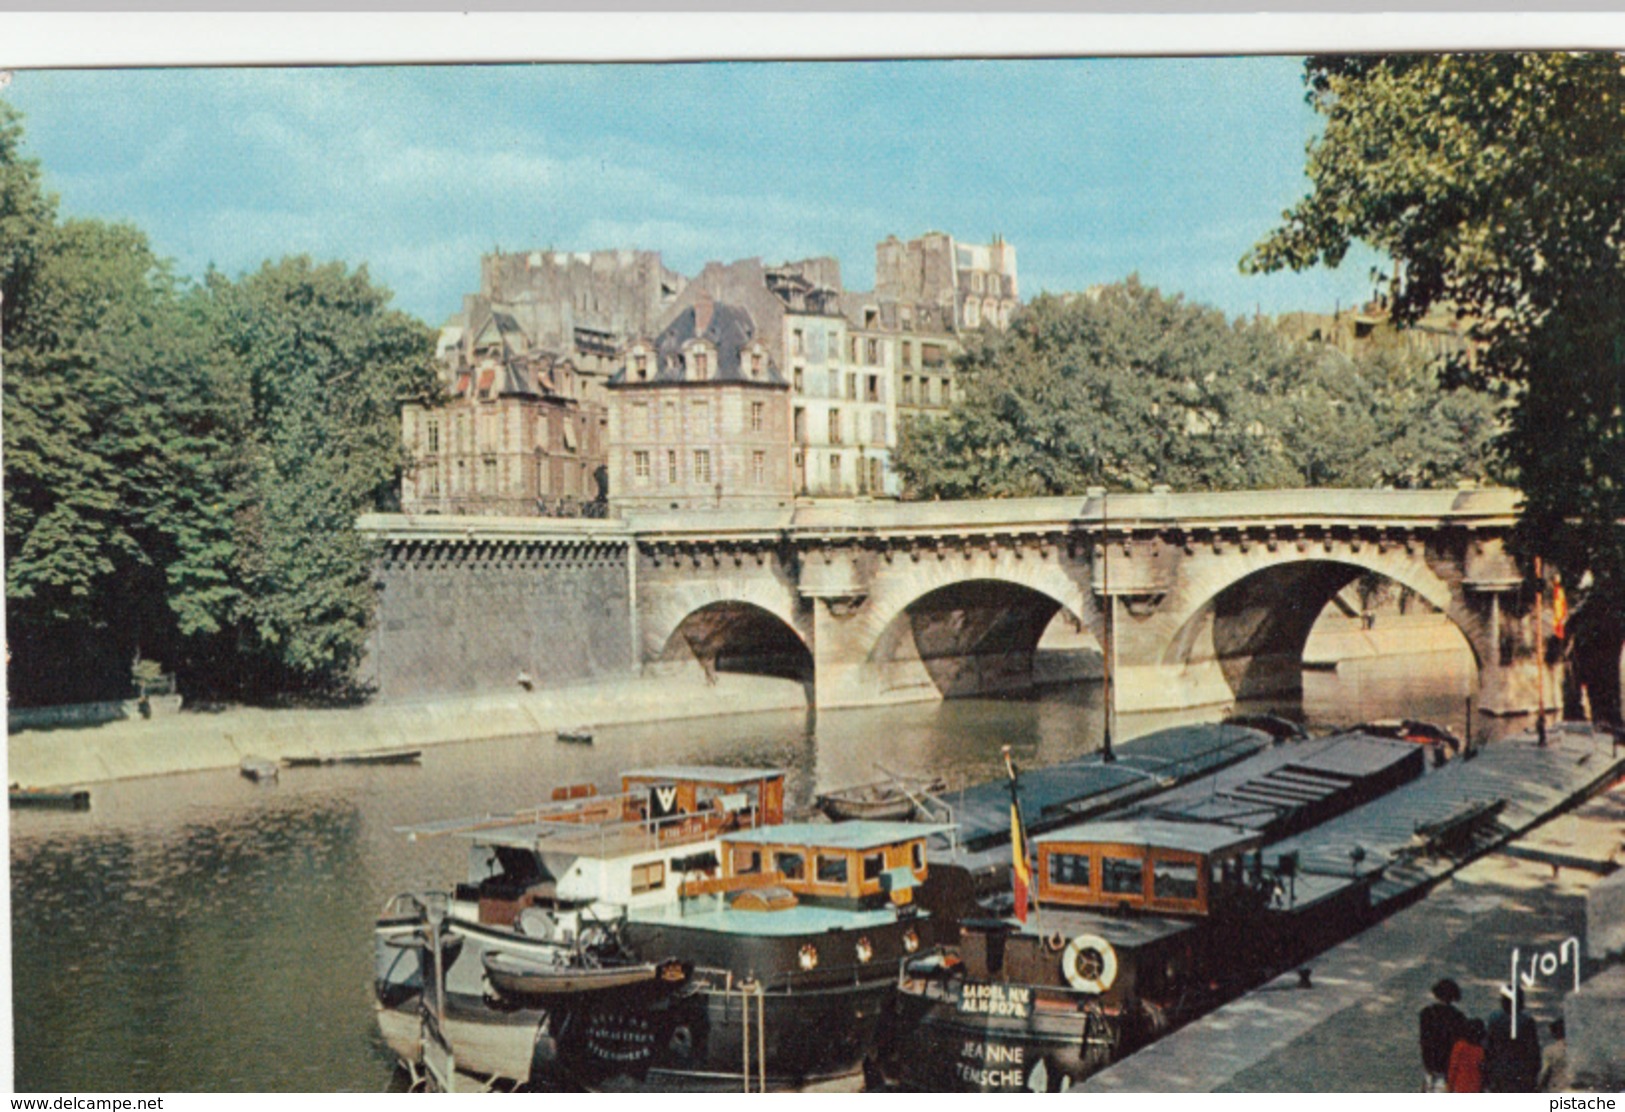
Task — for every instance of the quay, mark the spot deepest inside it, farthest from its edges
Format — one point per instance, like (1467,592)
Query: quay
(1354,1028)
(196,741)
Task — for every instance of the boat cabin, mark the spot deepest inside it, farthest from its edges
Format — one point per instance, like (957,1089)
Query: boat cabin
(610,852)
(859,864)
(1151,865)
(721,797)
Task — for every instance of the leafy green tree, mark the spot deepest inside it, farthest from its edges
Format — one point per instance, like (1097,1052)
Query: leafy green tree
(322,366)
(184,465)
(1493,182)
(1121,386)
(1126,388)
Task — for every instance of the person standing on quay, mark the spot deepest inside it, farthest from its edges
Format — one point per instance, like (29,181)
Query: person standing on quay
(1554,1061)
(1467,1060)
(1442,1025)
(1511,1065)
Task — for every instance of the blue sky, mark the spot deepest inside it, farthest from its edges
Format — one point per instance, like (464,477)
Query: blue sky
(1093,169)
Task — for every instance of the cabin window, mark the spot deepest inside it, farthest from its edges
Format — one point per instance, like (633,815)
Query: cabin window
(747,861)
(917,856)
(873,865)
(1070,869)
(831,870)
(1173,880)
(1122,876)
(648,878)
(792,866)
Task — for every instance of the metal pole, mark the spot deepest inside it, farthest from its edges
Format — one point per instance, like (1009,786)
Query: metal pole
(744,1034)
(1109,661)
(1540,653)
(761,1036)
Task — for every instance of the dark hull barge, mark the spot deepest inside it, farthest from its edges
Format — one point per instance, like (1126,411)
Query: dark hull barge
(1152,916)
(59,799)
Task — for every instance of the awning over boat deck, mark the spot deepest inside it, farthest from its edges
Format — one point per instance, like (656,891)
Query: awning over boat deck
(580,839)
(858,835)
(1050,795)
(704,774)
(1192,837)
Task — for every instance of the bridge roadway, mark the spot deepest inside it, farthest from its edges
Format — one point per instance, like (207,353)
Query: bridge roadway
(1211,596)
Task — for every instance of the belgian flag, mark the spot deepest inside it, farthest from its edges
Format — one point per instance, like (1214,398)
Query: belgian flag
(1021,877)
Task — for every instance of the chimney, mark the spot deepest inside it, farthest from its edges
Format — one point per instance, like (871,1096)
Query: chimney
(703,308)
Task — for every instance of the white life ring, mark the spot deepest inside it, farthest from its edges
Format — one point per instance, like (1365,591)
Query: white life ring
(1108,964)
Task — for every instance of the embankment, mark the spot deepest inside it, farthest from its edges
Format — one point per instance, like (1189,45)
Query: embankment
(192,742)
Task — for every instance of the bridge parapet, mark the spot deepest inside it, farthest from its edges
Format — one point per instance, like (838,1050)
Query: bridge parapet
(1217,590)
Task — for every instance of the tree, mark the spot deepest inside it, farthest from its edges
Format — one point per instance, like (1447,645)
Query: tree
(1126,388)
(1493,182)
(184,464)
(322,367)
(1120,386)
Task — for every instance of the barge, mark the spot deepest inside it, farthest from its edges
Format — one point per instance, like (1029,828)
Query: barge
(1155,914)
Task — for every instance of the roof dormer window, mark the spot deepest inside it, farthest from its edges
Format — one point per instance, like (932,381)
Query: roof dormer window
(702,365)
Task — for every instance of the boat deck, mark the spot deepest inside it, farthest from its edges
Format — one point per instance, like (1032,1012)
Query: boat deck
(1530,784)
(1354,1030)
(1064,793)
(711,914)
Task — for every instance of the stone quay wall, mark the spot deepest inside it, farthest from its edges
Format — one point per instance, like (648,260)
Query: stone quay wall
(506,613)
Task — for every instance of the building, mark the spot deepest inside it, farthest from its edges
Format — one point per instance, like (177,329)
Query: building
(514,436)
(928,293)
(971,284)
(698,417)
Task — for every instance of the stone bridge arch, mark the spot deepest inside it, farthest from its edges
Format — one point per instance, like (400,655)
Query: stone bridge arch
(940,623)
(708,619)
(1234,626)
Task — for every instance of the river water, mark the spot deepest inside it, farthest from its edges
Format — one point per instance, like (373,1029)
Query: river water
(201,932)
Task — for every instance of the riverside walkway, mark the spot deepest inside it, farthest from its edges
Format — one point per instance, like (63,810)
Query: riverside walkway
(1355,1029)
(195,741)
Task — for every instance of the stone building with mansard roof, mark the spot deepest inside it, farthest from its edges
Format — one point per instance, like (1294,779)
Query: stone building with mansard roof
(515,435)
(698,416)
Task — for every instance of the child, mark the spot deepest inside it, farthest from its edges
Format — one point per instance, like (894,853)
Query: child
(1466,1073)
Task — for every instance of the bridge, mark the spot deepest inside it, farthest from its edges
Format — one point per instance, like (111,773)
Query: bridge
(1210,597)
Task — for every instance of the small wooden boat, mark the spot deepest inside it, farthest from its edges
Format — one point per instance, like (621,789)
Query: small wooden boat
(62,799)
(392,757)
(512,975)
(883,801)
(575,735)
(1281,729)
(1410,729)
(259,769)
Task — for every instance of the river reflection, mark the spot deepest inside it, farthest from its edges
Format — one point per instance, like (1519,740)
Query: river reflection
(202,932)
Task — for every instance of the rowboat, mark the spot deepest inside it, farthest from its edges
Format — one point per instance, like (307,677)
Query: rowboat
(259,769)
(516,976)
(392,757)
(74,799)
(575,735)
(893,800)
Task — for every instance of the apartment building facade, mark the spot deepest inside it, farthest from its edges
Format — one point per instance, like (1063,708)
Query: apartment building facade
(698,417)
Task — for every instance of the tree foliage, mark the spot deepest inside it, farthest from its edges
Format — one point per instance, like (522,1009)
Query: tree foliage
(1126,388)
(184,464)
(322,366)
(1494,183)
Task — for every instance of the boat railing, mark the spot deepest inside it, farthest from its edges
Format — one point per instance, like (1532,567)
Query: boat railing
(572,822)
(786,983)
(416,905)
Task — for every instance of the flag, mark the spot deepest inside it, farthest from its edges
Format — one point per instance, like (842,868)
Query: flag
(1560,609)
(1021,877)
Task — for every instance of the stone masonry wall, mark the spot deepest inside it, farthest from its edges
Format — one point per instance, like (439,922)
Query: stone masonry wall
(469,619)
